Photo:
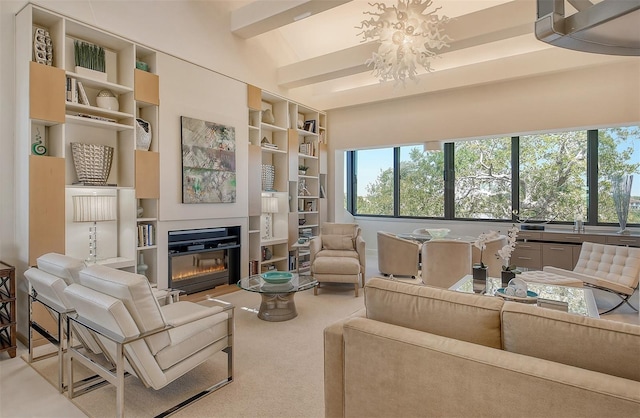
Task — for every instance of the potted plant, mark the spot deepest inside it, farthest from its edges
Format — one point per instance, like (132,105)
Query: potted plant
(90,60)
(509,270)
(302,169)
(480,269)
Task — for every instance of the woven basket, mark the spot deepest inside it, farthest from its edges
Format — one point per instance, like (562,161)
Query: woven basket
(92,162)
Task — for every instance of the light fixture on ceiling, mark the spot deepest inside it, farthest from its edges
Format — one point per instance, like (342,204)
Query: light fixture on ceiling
(609,27)
(410,36)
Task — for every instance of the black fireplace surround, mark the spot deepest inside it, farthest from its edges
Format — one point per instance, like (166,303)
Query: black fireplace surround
(201,259)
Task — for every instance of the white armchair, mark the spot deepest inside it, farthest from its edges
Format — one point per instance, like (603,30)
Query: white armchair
(611,268)
(156,344)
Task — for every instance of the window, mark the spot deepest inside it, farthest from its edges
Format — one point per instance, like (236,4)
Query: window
(618,155)
(483,179)
(421,182)
(374,182)
(553,176)
(557,177)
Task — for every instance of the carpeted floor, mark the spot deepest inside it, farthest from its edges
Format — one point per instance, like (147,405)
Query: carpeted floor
(278,366)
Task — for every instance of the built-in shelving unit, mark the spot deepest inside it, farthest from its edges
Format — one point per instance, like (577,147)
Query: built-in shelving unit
(58,105)
(286,136)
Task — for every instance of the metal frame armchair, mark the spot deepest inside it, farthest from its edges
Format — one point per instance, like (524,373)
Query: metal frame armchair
(611,268)
(46,287)
(156,344)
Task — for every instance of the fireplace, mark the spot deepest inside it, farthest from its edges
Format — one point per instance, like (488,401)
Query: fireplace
(201,259)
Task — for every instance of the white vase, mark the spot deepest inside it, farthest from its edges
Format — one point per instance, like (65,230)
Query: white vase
(267,117)
(143,134)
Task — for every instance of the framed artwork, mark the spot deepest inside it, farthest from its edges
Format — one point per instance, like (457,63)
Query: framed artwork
(208,162)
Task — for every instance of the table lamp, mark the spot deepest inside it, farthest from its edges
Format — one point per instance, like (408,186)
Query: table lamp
(269,207)
(94,208)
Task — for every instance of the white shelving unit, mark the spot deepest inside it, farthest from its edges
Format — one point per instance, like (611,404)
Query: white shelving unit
(278,143)
(51,182)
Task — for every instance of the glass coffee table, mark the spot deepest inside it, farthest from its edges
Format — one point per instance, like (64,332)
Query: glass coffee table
(580,300)
(277,298)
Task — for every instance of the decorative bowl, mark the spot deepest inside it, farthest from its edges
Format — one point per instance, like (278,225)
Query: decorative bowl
(438,233)
(277,276)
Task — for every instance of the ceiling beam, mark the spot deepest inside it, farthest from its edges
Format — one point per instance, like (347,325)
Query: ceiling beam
(505,21)
(263,16)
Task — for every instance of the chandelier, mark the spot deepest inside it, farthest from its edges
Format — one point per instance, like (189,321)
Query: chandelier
(409,36)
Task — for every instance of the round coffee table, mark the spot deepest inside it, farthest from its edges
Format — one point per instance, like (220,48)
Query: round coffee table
(277,298)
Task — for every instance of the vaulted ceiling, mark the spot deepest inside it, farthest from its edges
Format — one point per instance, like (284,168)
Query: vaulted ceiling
(321,59)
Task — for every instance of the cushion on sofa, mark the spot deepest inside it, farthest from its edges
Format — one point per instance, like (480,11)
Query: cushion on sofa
(463,316)
(600,345)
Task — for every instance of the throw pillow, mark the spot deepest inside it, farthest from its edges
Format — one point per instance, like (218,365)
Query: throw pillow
(337,242)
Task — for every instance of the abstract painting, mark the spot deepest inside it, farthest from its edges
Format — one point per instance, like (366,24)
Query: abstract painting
(208,162)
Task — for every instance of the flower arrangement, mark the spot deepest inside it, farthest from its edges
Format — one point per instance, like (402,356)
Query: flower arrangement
(481,243)
(505,252)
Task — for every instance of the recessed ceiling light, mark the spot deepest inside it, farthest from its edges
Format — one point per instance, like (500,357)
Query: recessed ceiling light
(302,16)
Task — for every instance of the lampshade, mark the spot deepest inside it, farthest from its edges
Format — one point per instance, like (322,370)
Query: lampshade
(94,208)
(269,204)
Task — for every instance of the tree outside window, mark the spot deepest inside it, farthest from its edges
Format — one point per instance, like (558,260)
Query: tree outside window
(483,179)
(421,182)
(374,175)
(618,154)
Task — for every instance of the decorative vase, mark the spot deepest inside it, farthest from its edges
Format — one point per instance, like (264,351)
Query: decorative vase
(621,192)
(107,100)
(143,134)
(42,47)
(506,276)
(479,279)
(139,210)
(268,175)
(141,268)
(267,117)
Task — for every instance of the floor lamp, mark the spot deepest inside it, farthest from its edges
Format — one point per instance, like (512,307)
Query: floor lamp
(94,208)
(269,207)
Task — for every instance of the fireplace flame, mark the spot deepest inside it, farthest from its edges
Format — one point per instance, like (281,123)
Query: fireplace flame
(197,271)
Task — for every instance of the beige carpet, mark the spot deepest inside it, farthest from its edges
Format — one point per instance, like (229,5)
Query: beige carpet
(278,366)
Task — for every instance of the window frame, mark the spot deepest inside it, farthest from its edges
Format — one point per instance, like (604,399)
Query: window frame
(449,184)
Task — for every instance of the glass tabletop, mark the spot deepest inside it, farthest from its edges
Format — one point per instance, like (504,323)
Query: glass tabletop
(579,299)
(257,284)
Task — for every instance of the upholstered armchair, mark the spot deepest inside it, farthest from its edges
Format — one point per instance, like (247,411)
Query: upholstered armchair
(490,258)
(156,344)
(611,268)
(445,261)
(47,282)
(338,255)
(397,256)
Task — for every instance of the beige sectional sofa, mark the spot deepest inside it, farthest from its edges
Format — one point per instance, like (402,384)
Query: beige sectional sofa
(424,351)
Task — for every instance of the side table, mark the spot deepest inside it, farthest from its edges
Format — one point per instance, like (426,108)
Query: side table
(7,309)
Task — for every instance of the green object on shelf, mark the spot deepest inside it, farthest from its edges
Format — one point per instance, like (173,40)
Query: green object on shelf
(89,56)
(141,65)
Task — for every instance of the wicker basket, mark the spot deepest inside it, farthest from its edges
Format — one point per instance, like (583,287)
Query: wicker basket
(92,162)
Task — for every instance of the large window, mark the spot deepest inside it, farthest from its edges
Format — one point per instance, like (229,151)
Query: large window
(618,155)
(483,179)
(557,177)
(553,176)
(421,182)
(375,181)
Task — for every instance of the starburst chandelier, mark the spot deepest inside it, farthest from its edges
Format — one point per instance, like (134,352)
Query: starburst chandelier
(409,36)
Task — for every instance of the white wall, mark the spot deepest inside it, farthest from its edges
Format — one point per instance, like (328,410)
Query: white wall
(608,95)
(195,92)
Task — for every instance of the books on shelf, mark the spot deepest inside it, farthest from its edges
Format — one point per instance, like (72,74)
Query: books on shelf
(308,148)
(82,94)
(269,145)
(146,235)
(102,118)
(72,90)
